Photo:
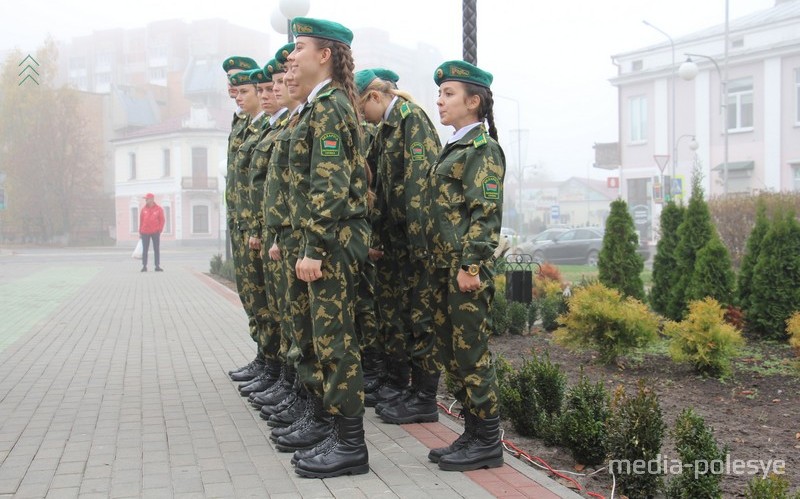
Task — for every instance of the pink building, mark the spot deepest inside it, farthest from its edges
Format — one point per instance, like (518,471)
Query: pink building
(762,111)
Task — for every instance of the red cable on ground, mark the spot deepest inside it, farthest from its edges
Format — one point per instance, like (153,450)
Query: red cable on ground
(520,452)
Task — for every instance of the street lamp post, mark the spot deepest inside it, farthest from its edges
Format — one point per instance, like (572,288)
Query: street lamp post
(281,18)
(688,71)
(672,84)
(693,145)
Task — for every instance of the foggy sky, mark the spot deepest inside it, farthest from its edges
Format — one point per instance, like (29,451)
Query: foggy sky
(552,57)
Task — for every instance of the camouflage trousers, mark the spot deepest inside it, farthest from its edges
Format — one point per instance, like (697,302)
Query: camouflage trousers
(236,256)
(404,304)
(367,329)
(462,324)
(274,284)
(253,293)
(289,243)
(323,313)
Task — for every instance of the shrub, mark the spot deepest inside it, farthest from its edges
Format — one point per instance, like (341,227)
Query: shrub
(216,263)
(551,304)
(772,487)
(619,266)
(664,268)
(228,271)
(635,431)
(583,422)
(517,318)
(695,442)
(745,279)
(693,233)
(533,312)
(547,273)
(776,279)
(735,317)
(704,338)
(713,274)
(532,398)
(793,330)
(500,284)
(601,318)
(499,314)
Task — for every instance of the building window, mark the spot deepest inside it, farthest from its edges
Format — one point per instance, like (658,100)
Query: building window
(737,43)
(199,167)
(200,219)
(638,110)
(637,65)
(131,165)
(740,104)
(167,219)
(797,96)
(167,170)
(134,219)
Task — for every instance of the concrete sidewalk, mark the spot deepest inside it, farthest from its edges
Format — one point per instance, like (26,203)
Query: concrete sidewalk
(113,384)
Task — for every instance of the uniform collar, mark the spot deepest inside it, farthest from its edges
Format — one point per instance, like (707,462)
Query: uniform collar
(462,132)
(320,86)
(274,118)
(389,109)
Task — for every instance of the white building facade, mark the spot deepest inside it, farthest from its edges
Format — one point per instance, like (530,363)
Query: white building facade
(762,110)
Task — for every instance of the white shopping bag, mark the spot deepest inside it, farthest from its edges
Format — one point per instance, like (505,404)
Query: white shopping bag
(137,251)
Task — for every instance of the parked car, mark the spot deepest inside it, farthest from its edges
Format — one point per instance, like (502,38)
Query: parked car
(538,241)
(577,246)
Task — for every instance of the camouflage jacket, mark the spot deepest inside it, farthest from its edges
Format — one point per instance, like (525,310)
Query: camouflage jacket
(465,193)
(257,176)
(276,205)
(241,170)
(327,165)
(371,132)
(407,147)
(235,139)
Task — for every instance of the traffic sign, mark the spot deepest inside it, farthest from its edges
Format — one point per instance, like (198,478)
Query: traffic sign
(555,212)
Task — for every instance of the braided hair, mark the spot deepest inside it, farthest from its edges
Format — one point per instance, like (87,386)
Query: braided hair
(486,109)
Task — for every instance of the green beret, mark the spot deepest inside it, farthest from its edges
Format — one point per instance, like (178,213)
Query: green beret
(320,28)
(238,62)
(386,74)
(272,67)
(363,78)
(247,77)
(282,55)
(462,71)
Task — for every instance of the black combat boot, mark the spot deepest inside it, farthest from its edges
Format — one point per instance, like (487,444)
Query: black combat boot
(469,430)
(374,370)
(288,411)
(269,401)
(420,406)
(250,371)
(305,417)
(263,381)
(482,450)
(395,384)
(273,374)
(347,455)
(313,432)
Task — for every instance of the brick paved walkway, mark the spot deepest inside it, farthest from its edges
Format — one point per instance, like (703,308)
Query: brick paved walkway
(113,384)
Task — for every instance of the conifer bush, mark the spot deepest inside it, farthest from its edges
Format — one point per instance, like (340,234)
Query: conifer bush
(583,422)
(551,304)
(793,330)
(600,318)
(517,318)
(619,265)
(695,443)
(664,263)
(704,338)
(772,487)
(635,433)
(744,284)
(713,273)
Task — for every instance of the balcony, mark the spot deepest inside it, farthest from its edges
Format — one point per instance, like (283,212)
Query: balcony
(199,183)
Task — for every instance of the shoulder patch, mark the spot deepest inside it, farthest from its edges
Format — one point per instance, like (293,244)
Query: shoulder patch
(491,187)
(417,151)
(480,141)
(405,109)
(330,144)
(326,93)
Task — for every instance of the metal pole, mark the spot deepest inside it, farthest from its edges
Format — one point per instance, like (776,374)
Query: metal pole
(724,85)
(672,83)
(289,30)
(469,38)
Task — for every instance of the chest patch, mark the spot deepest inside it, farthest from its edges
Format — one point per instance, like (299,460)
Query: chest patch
(491,187)
(330,144)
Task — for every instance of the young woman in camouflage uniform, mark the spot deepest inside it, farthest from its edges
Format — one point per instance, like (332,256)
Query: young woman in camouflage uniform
(465,201)
(328,203)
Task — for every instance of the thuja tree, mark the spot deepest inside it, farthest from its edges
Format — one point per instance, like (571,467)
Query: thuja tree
(752,250)
(619,266)
(694,232)
(664,269)
(775,290)
(713,273)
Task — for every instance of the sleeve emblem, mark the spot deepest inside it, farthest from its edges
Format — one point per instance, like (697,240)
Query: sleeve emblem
(417,151)
(330,144)
(491,187)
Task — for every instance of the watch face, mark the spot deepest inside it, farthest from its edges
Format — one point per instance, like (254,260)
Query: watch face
(474,269)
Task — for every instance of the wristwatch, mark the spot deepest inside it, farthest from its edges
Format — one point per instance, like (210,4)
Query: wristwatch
(472,269)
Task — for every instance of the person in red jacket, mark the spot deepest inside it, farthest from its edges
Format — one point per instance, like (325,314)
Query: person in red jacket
(151,223)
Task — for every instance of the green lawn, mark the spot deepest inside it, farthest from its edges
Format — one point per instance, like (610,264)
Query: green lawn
(574,273)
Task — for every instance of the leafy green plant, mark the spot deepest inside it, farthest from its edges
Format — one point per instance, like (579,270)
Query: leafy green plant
(216,263)
(583,422)
(619,265)
(517,318)
(704,338)
(533,312)
(601,318)
(695,442)
(772,487)
(635,432)
(499,314)
(551,303)
(664,268)
(532,398)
